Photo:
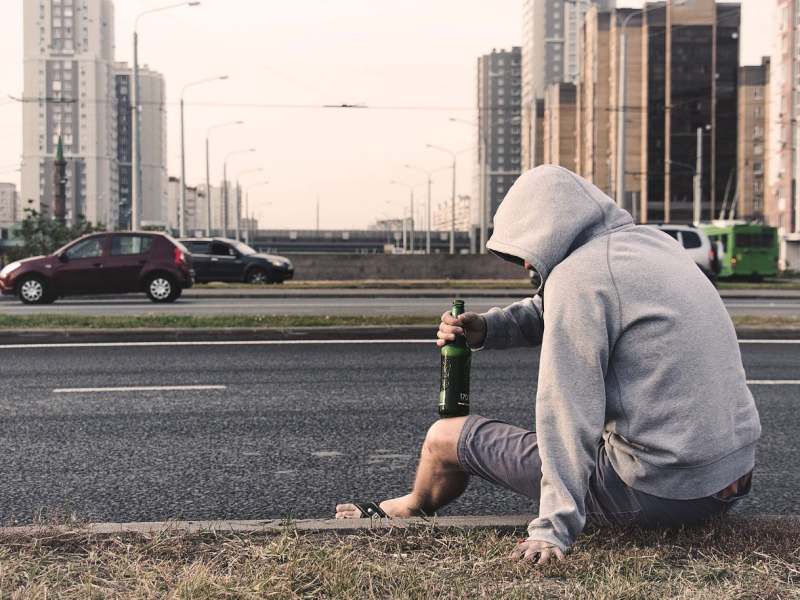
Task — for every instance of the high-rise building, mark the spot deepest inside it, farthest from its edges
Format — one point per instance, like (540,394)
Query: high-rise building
(497,163)
(9,204)
(69,90)
(560,126)
(784,110)
(442,218)
(153,128)
(550,54)
(752,168)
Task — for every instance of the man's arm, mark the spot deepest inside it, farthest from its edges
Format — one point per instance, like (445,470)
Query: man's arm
(517,326)
(570,402)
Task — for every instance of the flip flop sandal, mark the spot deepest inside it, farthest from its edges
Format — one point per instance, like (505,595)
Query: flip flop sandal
(370,510)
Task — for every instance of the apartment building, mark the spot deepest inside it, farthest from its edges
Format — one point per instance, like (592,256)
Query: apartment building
(550,54)
(783,207)
(560,125)
(442,217)
(749,199)
(498,162)
(9,205)
(69,91)
(153,135)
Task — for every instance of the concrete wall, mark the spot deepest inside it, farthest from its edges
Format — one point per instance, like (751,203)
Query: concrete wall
(313,267)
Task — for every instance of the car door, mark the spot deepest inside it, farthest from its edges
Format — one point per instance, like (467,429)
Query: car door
(80,268)
(226,264)
(201,259)
(127,256)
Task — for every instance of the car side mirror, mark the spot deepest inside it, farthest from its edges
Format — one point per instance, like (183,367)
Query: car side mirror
(63,257)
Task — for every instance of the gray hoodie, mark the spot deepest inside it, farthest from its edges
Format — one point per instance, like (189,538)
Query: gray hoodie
(637,349)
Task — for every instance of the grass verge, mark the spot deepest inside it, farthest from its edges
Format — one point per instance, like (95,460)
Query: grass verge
(729,558)
(8,322)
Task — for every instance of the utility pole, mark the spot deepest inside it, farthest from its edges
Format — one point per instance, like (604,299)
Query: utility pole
(318,214)
(698,178)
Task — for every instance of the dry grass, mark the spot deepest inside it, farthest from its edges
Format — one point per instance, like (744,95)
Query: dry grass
(732,558)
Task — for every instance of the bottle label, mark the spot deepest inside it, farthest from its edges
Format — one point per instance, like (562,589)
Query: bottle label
(454,389)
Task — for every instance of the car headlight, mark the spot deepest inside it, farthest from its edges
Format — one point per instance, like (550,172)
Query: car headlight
(8,269)
(277,263)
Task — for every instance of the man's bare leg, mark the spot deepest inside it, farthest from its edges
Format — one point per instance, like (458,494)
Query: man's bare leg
(439,479)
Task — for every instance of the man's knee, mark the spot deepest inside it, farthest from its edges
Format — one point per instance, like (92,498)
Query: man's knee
(441,443)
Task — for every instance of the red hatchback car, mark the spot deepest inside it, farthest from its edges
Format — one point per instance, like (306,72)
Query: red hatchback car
(103,263)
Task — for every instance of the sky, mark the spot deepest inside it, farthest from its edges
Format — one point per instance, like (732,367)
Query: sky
(413,61)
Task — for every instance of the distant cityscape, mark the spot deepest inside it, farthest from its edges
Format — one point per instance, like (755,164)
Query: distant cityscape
(651,105)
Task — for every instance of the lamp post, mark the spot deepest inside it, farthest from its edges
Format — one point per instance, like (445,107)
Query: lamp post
(182,209)
(411,209)
(239,201)
(225,186)
(247,209)
(208,175)
(696,187)
(428,220)
(622,97)
(453,207)
(136,175)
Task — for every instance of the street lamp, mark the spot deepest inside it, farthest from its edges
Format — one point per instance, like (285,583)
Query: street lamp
(622,97)
(453,208)
(208,175)
(136,183)
(247,209)
(239,201)
(182,210)
(428,220)
(411,209)
(696,188)
(225,185)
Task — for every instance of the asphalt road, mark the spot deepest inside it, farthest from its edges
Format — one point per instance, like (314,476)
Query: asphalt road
(283,428)
(140,305)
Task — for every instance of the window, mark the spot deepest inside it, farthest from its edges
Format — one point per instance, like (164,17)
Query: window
(220,249)
(758,112)
(784,44)
(758,150)
(672,233)
(758,93)
(91,248)
(758,168)
(758,132)
(690,240)
(198,247)
(126,245)
(758,186)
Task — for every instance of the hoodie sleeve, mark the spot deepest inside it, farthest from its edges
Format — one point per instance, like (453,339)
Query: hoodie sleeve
(570,403)
(517,326)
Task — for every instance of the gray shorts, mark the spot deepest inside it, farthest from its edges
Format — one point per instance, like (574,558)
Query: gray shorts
(509,456)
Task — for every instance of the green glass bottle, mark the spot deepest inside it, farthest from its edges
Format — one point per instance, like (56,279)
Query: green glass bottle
(456,360)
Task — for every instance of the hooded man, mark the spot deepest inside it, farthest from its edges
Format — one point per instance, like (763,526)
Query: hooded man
(643,415)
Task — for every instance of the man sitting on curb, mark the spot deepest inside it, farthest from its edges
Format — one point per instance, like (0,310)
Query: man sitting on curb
(643,415)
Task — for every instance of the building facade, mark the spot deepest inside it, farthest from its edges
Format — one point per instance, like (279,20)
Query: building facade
(550,54)
(69,90)
(783,208)
(442,218)
(752,168)
(10,208)
(153,127)
(561,125)
(499,145)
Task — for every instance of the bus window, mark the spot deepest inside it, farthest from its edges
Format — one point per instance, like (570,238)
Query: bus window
(724,239)
(767,240)
(690,240)
(744,240)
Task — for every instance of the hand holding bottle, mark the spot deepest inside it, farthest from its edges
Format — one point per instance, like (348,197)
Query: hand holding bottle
(470,322)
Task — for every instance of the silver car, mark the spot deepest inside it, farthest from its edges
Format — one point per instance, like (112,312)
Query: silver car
(697,244)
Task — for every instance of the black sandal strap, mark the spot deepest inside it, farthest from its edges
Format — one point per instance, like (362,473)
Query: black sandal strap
(370,510)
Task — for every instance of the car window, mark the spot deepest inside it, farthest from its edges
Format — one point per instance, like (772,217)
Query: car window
(690,240)
(244,248)
(220,249)
(127,245)
(671,233)
(91,248)
(198,247)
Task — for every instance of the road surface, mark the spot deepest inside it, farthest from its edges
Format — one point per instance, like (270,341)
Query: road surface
(262,430)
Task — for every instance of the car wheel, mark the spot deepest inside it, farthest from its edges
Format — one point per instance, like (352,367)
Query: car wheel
(33,290)
(257,277)
(162,288)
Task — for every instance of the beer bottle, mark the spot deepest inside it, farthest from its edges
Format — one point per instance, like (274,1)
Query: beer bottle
(456,359)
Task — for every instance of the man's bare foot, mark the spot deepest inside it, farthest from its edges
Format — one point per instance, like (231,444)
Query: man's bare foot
(396,507)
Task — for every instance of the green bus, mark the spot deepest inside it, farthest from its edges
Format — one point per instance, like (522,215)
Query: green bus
(747,249)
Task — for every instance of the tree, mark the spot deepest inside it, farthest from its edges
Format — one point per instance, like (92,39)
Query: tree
(41,234)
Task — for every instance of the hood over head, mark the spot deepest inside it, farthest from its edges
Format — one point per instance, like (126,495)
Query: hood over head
(547,214)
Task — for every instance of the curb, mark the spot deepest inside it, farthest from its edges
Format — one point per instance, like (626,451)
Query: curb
(503,523)
(370,332)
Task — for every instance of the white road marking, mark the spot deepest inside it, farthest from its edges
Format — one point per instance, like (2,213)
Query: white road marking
(215,343)
(769,341)
(774,382)
(147,388)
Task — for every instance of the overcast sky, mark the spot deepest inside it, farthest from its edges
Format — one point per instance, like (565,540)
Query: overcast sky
(410,53)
